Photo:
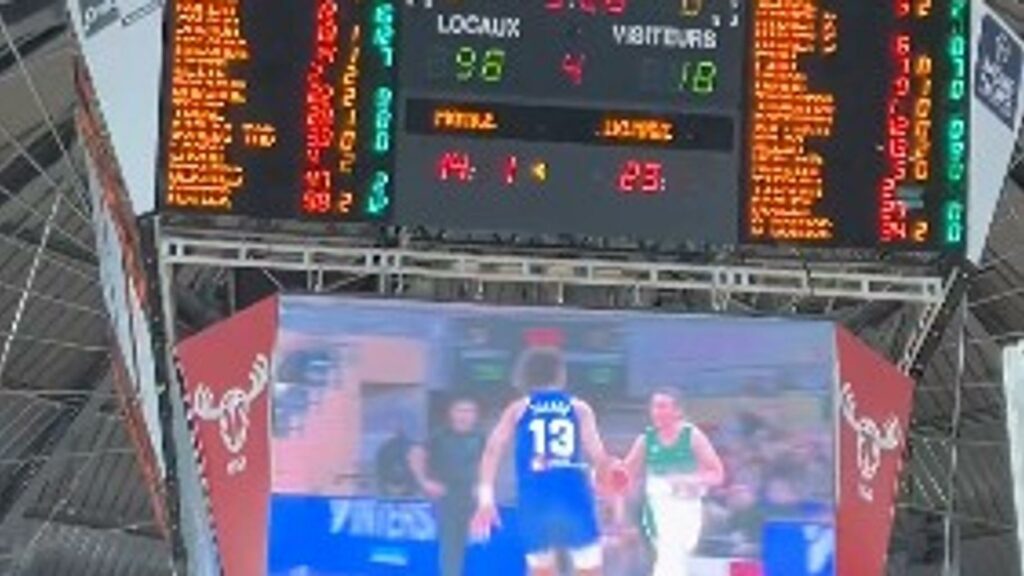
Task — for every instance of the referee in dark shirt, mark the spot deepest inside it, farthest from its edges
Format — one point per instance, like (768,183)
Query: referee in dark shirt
(447,474)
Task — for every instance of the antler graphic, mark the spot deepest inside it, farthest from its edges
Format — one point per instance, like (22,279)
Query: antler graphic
(890,436)
(849,407)
(204,406)
(886,439)
(259,375)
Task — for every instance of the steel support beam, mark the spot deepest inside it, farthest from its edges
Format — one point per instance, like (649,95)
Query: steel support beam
(917,345)
(784,279)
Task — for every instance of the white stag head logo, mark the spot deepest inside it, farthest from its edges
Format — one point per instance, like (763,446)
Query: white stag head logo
(872,440)
(232,412)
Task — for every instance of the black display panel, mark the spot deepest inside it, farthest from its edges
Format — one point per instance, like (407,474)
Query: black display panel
(604,117)
(827,123)
(280,109)
(832,123)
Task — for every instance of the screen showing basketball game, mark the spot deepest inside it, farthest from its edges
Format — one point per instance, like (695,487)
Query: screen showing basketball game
(436,440)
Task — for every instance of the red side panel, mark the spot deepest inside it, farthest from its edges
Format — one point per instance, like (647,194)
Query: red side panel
(227,375)
(874,411)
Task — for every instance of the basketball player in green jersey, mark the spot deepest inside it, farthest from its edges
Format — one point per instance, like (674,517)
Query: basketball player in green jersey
(677,464)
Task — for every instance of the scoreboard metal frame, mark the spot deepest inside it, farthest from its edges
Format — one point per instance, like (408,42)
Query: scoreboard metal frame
(808,124)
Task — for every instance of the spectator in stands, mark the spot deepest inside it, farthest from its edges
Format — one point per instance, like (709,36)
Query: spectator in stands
(447,474)
(743,528)
(394,464)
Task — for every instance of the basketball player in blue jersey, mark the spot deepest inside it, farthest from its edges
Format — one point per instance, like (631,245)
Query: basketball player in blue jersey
(552,432)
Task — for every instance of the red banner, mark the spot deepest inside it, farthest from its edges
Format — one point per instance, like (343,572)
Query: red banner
(227,376)
(874,411)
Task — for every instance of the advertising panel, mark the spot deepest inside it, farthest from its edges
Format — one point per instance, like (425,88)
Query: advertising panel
(996,106)
(121,43)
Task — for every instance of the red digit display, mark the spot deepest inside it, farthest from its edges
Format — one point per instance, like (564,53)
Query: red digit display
(652,181)
(456,166)
(318,187)
(572,65)
(894,219)
(639,176)
(628,176)
(611,7)
(615,7)
(511,170)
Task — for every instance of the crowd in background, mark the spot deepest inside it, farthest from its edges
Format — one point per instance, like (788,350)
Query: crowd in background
(773,473)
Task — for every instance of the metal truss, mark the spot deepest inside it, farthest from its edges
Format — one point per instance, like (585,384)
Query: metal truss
(799,280)
(924,333)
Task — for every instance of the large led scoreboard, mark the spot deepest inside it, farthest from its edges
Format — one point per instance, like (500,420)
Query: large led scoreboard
(834,123)
(278,109)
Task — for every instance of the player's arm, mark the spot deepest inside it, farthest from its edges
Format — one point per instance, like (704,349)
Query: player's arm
(709,464)
(590,435)
(486,516)
(495,449)
(636,459)
(418,458)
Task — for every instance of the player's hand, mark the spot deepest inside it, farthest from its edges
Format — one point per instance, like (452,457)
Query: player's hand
(613,479)
(619,479)
(484,521)
(434,490)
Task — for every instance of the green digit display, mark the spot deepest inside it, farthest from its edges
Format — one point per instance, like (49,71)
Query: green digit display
(465,61)
(954,219)
(493,65)
(698,77)
(704,77)
(490,68)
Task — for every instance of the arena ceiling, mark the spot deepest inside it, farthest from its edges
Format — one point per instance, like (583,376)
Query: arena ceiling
(73,500)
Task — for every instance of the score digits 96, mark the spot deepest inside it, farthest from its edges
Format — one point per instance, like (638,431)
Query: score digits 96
(487,65)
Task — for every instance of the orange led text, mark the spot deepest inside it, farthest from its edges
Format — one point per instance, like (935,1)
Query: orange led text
(637,129)
(456,119)
(207,42)
(787,176)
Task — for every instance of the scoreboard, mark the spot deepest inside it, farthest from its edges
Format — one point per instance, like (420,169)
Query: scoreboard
(833,123)
(279,109)
(604,117)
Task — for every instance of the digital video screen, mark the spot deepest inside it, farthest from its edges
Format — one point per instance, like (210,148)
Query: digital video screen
(718,451)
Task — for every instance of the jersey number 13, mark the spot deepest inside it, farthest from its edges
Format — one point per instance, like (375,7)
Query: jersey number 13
(555,437)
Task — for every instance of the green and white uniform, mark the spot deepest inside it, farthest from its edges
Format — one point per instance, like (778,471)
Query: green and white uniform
(672,514)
